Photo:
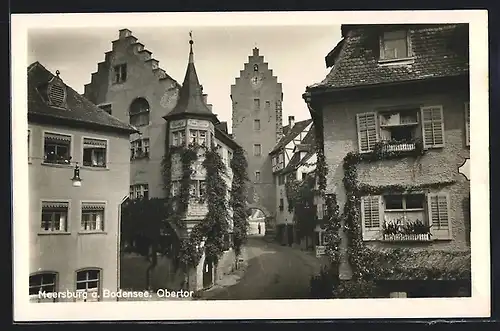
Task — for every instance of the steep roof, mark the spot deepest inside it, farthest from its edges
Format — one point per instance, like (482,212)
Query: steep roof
(307,145)
(440,51)
(190,100)
(78,111)
(290,134)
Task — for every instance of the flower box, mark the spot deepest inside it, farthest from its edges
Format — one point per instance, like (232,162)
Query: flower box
(407,237)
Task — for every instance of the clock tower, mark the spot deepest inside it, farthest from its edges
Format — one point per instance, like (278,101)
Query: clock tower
(257,125)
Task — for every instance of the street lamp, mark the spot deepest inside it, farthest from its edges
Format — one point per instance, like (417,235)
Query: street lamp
(77,181)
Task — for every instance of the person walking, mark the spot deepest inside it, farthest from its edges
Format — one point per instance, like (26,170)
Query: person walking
(258,227)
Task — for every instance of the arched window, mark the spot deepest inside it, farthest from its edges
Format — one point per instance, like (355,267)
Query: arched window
(41,284)
(139,112)
(255,67)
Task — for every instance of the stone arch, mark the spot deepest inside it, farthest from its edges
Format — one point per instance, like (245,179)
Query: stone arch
(269,217)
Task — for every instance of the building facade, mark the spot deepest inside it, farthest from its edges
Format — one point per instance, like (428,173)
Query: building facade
(192,124)
(74,230)
(398,96)
(257,125)
(131,86)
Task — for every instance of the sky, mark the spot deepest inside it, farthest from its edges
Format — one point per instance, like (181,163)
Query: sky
(295,54)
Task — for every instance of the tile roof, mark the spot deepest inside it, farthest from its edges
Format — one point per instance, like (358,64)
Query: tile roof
(79,109)
(440,51)
(290,134)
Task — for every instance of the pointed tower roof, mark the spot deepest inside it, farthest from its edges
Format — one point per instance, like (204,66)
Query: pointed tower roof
(190,100)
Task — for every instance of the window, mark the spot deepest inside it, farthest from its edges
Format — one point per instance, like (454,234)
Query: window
(198,137)
(399,129)
(256,125)
(255,67)
(433,126)
(197,188)
(94,152)
(268,105)
(106,108)
(120,72)
(281,180)
(281,161)
(179,138)
(139,149)
(320,211)
(57,148)
(406,217)
(88,284)
(256,104)
(138,191)
(257,176)
(92,216)
(229,156)
(281,206)
(304,175)
(257,150)
(139,112)
(54,216)
(42,283)
(176,186)
(467,124)
(394,45)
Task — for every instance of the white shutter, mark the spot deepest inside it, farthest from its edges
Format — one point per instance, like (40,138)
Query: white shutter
(432,126)
(438,205)
(467,123)
(371,217)
(367,131)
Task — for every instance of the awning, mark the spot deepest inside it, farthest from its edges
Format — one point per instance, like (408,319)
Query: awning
(94,143)
(57,137)
(93,206)
(55,204)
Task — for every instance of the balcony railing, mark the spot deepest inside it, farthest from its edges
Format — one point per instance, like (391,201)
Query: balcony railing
(399,147)
(407,237)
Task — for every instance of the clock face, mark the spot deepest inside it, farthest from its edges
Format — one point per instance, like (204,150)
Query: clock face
(169,99)
(256,81)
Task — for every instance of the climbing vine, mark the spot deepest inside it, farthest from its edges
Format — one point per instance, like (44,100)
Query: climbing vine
(237,201)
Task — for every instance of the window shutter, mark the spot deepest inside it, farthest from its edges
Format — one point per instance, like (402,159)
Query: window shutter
(371,216)
(467,123)
(367,131)
(438,205)
(432,126)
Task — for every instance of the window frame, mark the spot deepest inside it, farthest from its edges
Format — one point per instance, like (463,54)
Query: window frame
(67,227)
(260,150)
(120,78)
(106,165)
(409,46)
(70,149)
(197,136)
(256,124)
(140,113)
(256,104)
(141,186)
(140,153)
(35,298)
(257,176)
(103,220)
(87,280)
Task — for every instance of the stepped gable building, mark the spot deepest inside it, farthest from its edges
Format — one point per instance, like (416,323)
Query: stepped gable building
(257,126)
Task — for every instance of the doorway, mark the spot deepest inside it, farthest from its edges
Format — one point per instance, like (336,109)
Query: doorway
(208,273)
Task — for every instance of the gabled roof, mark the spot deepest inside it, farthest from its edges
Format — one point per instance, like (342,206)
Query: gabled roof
(79,111)
(222,126)
(290,134)
(440,51)
(190,100)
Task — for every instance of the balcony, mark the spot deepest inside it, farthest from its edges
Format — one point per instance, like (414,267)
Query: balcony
(398,147)
(407,237)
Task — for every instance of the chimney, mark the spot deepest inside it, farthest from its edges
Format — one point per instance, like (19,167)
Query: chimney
(205,98)
(124,33)
(291,121)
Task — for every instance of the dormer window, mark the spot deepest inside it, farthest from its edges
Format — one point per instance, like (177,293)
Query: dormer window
(56,92)
(395,45)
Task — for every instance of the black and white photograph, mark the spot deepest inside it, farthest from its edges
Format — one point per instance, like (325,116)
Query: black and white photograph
(305,164)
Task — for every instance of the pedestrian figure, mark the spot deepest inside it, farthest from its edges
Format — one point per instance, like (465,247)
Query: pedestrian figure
(258,227)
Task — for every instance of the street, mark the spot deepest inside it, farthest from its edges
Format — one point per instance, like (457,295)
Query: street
(272,272)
